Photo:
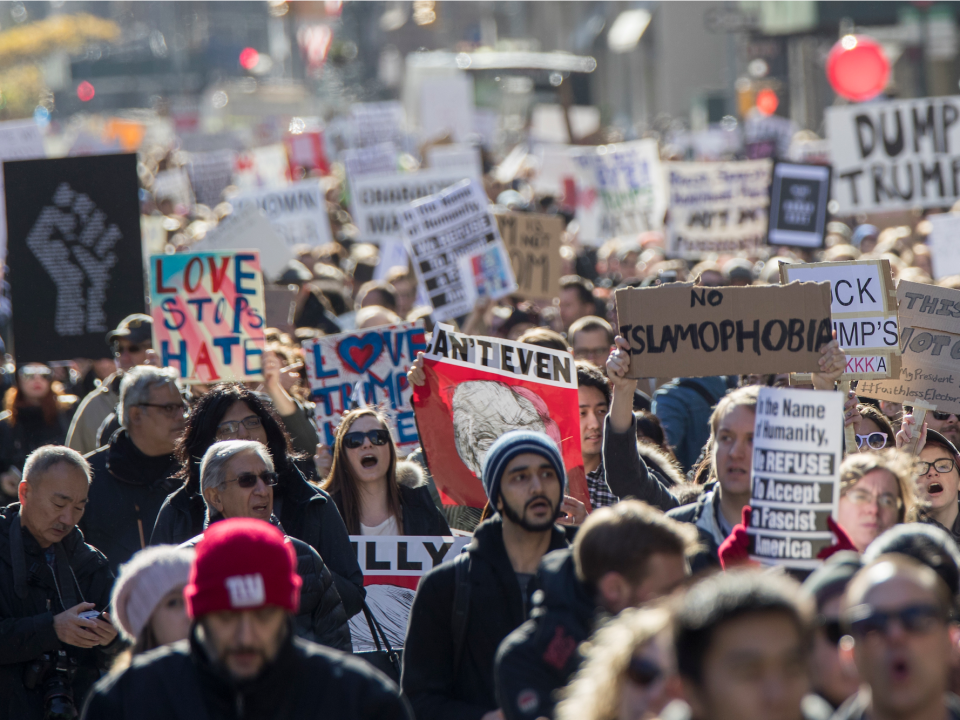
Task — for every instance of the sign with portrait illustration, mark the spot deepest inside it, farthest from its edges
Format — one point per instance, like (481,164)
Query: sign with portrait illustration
(799,195)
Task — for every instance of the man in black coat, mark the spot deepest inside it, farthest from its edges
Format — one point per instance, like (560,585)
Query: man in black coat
(48,578)
(463,609)
(243,659)
(133,475)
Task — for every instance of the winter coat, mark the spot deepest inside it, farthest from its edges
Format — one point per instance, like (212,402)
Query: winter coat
(32,431)
(704,513)
(855,708)
(437,690)
(627,474)
(684,413)
(126,493)
(306,513)
(28,602)
(666,468)
(540,656)
(93,410)
(305,680)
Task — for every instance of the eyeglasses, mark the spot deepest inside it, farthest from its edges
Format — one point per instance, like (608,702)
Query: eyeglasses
(249,480)
(353,440)
(831,628)
(937,415)
(874,440)
(941,465)
(119,349)
(30,373)
(919,618)
(643,672)
(859,496)
(171,410)
(231,428)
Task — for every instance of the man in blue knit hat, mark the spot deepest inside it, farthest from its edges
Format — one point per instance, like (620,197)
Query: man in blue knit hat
(464,609)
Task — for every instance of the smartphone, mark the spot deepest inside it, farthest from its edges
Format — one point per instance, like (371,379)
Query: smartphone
(92,615)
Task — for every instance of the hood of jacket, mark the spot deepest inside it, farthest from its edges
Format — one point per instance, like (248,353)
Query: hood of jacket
(410,474)
(703,512)
(658,460)
(561,590)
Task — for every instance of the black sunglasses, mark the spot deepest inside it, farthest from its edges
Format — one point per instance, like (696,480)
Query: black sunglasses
(831,628)
(918,618)
(249,480)
(118,349)
(354,439)
(643,672)
(943,415)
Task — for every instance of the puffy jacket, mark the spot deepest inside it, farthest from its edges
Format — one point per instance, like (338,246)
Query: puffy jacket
(626,472)
(703,514)
(305,680)
(540,656)
(306,513)
(28,601)
(126,493)
(93,410)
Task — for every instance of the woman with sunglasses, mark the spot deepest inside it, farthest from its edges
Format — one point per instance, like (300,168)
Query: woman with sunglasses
(232,412)
(874,432)
(375,494)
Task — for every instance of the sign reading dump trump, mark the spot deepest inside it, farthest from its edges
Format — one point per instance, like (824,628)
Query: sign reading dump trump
(797,448)
(479,388)
(208,314)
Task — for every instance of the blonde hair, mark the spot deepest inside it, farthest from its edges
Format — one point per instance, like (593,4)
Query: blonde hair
(901,465)
(741,397)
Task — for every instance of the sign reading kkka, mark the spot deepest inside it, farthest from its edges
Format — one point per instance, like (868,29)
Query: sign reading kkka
(895,155)
(797,448)
(863,304)
(717,207)
(680,330)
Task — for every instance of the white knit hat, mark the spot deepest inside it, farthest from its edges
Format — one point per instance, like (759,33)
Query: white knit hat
(143,581)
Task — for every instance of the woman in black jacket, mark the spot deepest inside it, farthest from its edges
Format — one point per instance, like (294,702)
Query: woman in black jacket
(232,412)
(364,483)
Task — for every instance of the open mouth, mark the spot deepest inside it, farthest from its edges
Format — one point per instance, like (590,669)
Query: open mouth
(368,461)
(899,670)
(935,488)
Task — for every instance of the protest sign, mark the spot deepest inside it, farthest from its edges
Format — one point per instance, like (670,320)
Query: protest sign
(944,243)
(280,303)
(262,167)
(930,341)
(247,227)
(76,268)
(533,243)
(863,306)
(767,136)
(375,123)
(298,212)
(895,155)
(210,173)
(679,330)
(455,156)
(795,477)
(392,567)
(798,205)
(208,314)
(479,388)
(307,151)
(717,207)
(19,140)
(452,226)
(372,160)
(376,362)
(446,106)
(628,179)
(173,185)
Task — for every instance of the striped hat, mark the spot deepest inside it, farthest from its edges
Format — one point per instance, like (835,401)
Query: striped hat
(507,447)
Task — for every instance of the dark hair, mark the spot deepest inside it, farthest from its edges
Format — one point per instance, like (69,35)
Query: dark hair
(590,323)
(728,596)
(14,401)
(929,544)
(651,428)
(201,431)
(873,414)
(386,290)
(589,375)
(583,287)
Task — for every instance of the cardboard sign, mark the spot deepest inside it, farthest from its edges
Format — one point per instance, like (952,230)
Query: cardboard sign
(376,362)
(944,242)
(930,341)
(798,205)
(863,305)
(479,388)
(795,477)
(210,173)
(895,155)
(248,227)
(298,212)
(76,268)
(208,314)
(19,140)
(717,207)
(628,180)
(280,304)
(374,160)
(679,330)
(533,243)
(443,229)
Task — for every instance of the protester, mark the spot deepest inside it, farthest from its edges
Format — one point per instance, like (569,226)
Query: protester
(623,556)
(945,423)
(939,483)
(237,479)
(683,405)
(374,493)
(926,543)
(293,413)
(464,609)
(48,578)
(593,392)
(135,472)
(874,432)
(243,658)
(653,447)
(576,300)
(231,412)
(592,340)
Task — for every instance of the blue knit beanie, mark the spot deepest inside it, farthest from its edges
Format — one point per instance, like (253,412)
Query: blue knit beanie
(507,447)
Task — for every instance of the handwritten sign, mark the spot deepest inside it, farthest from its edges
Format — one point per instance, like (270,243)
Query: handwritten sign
(944,244)
(795,476)
(533,243)
(375,123)
(375,360)
(297,212)
(798,205)
(372,160)
(208,314)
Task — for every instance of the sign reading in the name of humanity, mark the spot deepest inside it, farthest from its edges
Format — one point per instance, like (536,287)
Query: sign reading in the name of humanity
(365,368)
(298,212)
(797,448)
(863,305)
(208,314)
(479,388)
(895,155)
(799,195)
(930,341)
(944,243)
(456,249)
(717,207)
(680,330)
(533,243)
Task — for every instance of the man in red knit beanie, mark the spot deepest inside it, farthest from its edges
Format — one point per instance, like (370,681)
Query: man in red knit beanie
(243,659)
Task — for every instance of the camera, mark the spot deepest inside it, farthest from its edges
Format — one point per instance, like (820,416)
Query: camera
(53,671)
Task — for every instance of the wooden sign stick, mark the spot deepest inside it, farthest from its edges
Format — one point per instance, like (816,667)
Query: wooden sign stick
(849,431)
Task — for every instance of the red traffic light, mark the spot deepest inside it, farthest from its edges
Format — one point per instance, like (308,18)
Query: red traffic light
(857,68)
(249,58)
(767,101)
(85,91)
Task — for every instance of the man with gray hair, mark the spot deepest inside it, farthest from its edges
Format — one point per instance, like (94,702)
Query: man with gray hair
(133,474)
(52,586)
(237,479)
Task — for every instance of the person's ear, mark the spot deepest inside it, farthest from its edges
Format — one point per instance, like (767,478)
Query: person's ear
(614,591)
(23,492)
(212,496)
(134,414)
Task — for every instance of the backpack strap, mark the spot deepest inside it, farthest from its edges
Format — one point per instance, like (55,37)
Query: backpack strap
(461,607)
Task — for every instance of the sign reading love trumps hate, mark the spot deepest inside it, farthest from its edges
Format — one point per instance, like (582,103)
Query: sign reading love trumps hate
(376,361)
(795,478)
(208,314)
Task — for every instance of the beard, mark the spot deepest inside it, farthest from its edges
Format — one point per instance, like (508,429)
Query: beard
(519,518)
